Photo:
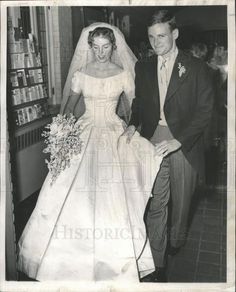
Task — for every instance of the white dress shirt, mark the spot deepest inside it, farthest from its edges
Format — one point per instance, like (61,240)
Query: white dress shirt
(164,71)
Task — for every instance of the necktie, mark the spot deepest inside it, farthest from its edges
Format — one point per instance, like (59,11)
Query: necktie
(163,70)
(163,89)
(163,64)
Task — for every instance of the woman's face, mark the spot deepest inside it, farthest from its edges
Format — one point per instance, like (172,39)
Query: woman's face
(102,49)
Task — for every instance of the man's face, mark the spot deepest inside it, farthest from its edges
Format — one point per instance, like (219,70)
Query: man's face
(162,38)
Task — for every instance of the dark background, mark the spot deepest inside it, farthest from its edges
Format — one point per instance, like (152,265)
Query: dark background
(206,24)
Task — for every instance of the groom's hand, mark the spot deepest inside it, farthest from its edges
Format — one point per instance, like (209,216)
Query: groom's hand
(129,132)
(166,147)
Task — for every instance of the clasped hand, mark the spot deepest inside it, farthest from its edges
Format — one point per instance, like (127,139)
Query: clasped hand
(162,149)
(166,147)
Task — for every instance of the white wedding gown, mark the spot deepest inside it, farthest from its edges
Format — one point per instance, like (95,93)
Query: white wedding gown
(88,226)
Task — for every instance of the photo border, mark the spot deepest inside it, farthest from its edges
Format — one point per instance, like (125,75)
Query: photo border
(107,286)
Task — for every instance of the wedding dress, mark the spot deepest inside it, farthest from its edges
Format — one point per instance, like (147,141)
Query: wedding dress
(88,225)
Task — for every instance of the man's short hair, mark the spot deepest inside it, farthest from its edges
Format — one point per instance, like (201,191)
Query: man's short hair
(163,16)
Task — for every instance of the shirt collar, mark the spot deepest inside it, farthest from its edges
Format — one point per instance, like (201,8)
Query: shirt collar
(173,54)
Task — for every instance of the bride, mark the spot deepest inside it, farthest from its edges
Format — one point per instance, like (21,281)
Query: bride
(88,225)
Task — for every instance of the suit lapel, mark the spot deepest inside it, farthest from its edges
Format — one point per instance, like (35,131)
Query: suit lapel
(153,78)
(180,72)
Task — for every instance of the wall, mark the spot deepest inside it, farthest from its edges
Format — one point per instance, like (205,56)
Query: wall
(10,248)
(63,46)
(77,23)
(65,34)
(31,170)
(84,16)
(191,19)
(198,24)
(56,48)
(203,17)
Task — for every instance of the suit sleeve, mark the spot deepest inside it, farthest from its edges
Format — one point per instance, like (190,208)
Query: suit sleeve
(203,111)
(135,108)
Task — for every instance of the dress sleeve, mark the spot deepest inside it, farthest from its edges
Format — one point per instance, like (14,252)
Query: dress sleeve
(75,82)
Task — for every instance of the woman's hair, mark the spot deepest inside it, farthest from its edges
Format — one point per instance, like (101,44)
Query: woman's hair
(163,16)
(105,32)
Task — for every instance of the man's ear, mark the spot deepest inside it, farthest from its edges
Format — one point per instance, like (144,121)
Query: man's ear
(175,33)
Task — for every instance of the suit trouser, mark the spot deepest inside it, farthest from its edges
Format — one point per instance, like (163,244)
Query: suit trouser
(176,180)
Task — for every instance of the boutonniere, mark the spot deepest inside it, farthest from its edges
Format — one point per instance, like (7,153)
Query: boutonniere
(182,69)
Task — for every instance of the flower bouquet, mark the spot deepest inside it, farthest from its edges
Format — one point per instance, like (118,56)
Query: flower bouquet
(63,141)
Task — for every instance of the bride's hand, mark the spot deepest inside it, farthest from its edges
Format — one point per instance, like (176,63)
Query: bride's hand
(129,132)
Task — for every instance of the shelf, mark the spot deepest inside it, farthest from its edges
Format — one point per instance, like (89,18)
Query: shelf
(11,53)
(32,122)
(35,124)
(28,68)
(28,103)
(25,68)
(24,86)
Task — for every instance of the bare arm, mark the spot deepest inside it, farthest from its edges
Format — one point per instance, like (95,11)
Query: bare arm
(129,91)
(130,130)
(71,103)
(73,98)
(135,108)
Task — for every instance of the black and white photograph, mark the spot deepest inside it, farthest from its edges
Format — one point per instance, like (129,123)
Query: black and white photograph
(117,146)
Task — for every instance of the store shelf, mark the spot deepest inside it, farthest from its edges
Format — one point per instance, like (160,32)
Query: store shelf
(27,68)
(12,53)
(32,122)
(24,86)
(33,125)
(32,102)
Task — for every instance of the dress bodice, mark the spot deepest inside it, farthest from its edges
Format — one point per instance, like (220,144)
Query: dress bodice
(101,95)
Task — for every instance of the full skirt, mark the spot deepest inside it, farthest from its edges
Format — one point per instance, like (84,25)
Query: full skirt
(88,225)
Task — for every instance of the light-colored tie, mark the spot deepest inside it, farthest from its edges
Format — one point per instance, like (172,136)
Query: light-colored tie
(163,64)
(163,70)
(162,90)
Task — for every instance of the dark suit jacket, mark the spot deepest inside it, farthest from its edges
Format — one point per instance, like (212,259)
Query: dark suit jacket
(188,103)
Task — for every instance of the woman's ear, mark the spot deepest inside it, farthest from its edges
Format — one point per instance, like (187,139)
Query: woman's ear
(175,33)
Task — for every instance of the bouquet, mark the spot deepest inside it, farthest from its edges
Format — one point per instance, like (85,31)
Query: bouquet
(63,141)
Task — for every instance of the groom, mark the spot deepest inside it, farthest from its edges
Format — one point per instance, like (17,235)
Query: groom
(172,107)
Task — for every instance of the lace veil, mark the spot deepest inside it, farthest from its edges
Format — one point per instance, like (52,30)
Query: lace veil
(122,56)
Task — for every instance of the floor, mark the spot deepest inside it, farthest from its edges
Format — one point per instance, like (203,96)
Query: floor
(203,258)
